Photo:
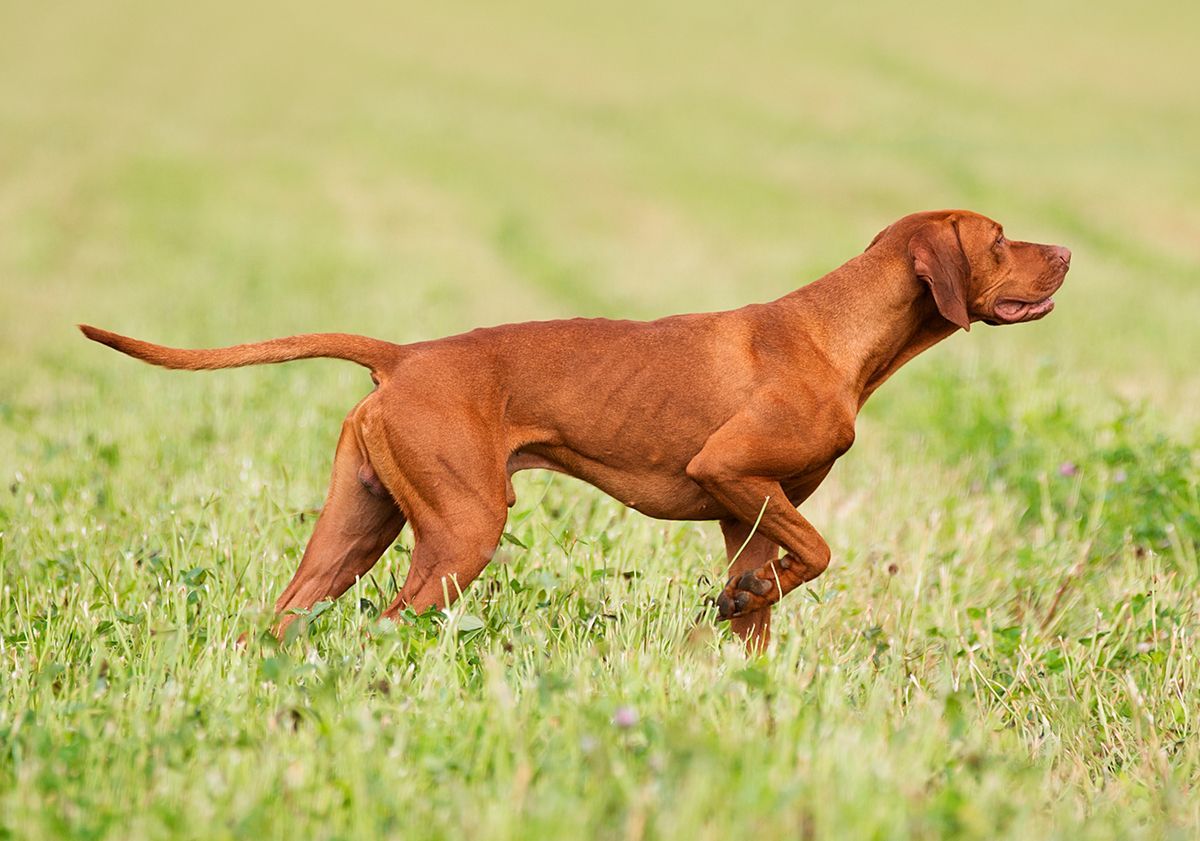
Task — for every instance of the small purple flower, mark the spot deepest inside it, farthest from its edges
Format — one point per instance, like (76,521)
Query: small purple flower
(1119,475)
(625,717)
(1068,468)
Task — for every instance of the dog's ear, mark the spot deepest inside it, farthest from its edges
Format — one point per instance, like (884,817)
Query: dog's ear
(938,259)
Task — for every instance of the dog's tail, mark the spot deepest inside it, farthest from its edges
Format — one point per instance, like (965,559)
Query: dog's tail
(371,353)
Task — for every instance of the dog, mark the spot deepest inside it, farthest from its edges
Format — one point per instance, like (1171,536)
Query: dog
(732,416)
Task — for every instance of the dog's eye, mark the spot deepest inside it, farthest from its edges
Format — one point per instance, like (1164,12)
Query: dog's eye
(999,240)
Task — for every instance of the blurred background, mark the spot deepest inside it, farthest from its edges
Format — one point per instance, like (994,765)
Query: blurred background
(214,173)
(1004,645)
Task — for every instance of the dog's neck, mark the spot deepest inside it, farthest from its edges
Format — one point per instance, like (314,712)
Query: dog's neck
(873,315)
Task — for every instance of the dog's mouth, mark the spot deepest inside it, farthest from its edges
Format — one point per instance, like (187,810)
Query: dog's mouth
(1014,311)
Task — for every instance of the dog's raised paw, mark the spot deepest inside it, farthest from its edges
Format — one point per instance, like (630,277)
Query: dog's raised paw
(751,582)
(744,594)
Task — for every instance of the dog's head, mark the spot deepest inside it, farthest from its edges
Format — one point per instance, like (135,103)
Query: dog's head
(975,272)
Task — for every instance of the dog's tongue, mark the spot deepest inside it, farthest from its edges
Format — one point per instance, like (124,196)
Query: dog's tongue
(1020,310)
(1010,310)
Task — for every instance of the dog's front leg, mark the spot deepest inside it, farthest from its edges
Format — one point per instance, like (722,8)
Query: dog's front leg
(748,550)
(731,467)
(806,554)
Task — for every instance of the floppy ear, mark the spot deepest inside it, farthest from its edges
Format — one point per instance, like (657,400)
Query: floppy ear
(938,259)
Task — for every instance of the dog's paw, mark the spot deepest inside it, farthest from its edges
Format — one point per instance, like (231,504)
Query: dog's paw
(744,594)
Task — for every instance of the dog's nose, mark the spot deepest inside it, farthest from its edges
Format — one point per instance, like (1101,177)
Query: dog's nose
(1063,254)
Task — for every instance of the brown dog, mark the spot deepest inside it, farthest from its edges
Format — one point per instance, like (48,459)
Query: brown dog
(731,416)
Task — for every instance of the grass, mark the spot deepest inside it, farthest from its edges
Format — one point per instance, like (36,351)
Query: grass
(1005,645)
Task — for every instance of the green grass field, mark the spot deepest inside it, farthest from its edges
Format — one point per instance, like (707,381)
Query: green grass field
(1006,643)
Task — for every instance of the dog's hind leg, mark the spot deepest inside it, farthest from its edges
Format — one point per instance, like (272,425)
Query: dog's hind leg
(451,479)
(448,554)
(359,522)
